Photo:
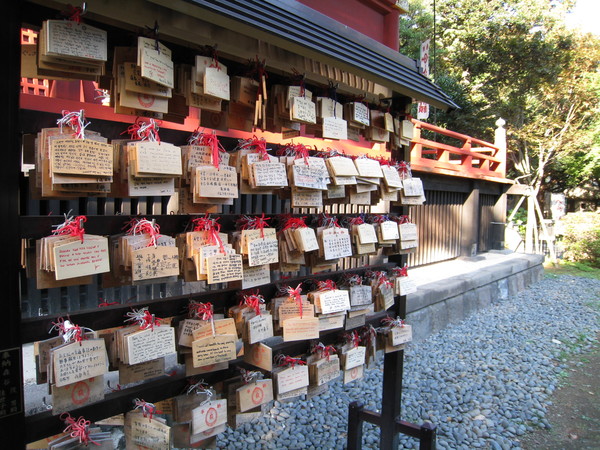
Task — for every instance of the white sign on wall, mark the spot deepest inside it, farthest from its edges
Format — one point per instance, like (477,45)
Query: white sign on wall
(422,107)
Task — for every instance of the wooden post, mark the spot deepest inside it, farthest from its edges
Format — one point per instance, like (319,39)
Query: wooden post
(545,230)
(470,223)
(499,214)
(531,224)
(500,142)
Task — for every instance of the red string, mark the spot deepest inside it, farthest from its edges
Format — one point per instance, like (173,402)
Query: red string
(213,228)
(209,140)
(355,280)
(59,325)
(384,162)
(203,311)
(352,338)
(400,271)
(260,68)
(300,151)
(294,222)
(144,226)
(255,223)
(74,120)
(391,323)
(403,169)
(78,428)
(296,295)
(75,13)
(327,285)
(357,221)
(254,301)
(300,80)
(328,221)
(381,278)
(289,361)
(149,321)
(258,145)
(142,130)
(368,334)
(148,409)
(215,61)
(143,318)
(73,227)
(324,351)
(104,304)
(77,334)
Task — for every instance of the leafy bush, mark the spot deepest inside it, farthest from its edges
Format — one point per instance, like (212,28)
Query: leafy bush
(581,237)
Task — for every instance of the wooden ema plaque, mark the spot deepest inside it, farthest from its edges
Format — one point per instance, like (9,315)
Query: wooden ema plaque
(254,394)
(209,415)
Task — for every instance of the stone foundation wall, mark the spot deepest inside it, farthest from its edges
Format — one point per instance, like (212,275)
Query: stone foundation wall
(437,304)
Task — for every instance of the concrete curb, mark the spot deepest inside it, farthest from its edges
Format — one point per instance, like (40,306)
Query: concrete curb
(483,283)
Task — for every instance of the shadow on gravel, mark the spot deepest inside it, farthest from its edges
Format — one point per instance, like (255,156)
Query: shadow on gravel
(575,412)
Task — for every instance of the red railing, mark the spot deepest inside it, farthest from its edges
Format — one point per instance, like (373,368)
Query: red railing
(35,86)
(473,159)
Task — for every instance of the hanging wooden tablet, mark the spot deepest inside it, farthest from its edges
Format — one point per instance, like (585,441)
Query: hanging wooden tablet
(356,373)
(254,394)
(223,268)
(409,237)
(209,415)
(216,81)
(341,166)
(357,114)
(76,395)
(142,432)
(291,375)
(259,355)
(353,357)
(214,349)
(77,361)
(155,63)
(335,241)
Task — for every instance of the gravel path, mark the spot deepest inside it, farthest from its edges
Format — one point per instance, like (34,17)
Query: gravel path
(484,382)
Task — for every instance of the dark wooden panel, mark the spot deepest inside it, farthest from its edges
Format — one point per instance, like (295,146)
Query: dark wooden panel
(486,217)
(36,328)
(439,224)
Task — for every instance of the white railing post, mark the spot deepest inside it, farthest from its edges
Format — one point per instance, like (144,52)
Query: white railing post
(500,142)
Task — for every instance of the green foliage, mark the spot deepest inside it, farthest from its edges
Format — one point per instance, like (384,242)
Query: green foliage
(581,238)
(516,60)
(415,27)
(575,169)
(575,269)
(520,219)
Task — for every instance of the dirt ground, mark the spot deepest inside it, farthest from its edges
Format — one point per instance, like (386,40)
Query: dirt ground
(575,413)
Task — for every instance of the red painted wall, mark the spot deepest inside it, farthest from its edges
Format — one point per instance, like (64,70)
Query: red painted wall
(374,18)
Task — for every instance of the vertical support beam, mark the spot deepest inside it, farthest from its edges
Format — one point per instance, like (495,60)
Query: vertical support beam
(499,213)
(500,142)
(428,437)
(355,426)
(531,224)
(11,406)
(470,222)
(393,364)
(416,148)
(393,371)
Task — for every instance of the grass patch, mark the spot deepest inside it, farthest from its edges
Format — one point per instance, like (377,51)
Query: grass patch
(571,268)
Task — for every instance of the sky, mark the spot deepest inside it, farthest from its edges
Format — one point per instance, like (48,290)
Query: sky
(586,16)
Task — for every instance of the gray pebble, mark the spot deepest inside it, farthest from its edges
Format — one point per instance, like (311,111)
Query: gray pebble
(494,364)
